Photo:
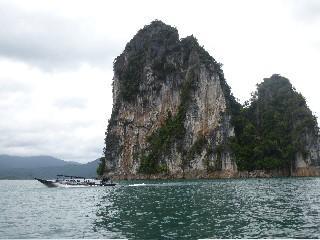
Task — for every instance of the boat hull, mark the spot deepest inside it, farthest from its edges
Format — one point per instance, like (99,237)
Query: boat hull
(51,184)
(48,183)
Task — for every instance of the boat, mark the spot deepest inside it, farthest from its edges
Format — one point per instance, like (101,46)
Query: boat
(75,181)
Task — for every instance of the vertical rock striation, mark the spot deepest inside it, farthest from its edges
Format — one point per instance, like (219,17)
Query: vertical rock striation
(307,163)
(171,113)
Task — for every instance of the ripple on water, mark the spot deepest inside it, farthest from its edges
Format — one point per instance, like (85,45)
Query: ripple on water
(246,208)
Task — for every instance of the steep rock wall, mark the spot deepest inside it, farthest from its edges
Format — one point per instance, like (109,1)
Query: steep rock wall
(168,94)
(308,164)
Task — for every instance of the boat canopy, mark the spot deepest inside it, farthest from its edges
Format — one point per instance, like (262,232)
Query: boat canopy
(66,176)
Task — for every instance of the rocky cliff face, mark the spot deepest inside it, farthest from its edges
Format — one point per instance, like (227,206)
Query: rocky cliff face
(174,115)
(277,131)
(308,164)
(171,113)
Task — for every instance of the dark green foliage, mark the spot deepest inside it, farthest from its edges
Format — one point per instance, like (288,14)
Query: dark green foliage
(160,142)
(112,145)
(190,44)
(150,45)
(271,129)
(195,149)
(162,68)
(131,76)
(172,130)
(101,166)
(218,151)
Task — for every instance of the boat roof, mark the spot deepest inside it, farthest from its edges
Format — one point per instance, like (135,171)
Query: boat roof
(67,176)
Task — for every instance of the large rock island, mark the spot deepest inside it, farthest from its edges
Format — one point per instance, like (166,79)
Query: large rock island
(174,117)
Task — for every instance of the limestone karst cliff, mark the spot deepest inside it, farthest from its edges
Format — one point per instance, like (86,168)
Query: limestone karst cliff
(277,131)
(173,112)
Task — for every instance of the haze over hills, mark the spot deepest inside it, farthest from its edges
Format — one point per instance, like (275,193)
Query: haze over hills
(14,167)
(7,161)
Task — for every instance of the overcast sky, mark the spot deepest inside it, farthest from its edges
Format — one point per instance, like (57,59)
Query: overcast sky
(56,60)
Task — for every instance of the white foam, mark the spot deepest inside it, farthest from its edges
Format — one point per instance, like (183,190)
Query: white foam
(138,185)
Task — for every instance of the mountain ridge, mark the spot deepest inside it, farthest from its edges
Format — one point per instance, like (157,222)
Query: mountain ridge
(18,167)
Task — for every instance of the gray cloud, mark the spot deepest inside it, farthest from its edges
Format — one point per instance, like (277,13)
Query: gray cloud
(42,114)
(50,41)
(55,139)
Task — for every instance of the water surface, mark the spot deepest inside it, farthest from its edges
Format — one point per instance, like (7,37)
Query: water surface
(238,208)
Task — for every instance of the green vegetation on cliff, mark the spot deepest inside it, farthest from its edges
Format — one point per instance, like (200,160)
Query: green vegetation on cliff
(159,144)
(130,77)
(270,129)
(150,45)
(171,131)
(101,167)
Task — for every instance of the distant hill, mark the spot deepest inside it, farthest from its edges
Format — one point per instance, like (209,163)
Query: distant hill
(13,167)
(7,161)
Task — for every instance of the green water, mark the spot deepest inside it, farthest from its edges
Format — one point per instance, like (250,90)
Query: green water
(251,208)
